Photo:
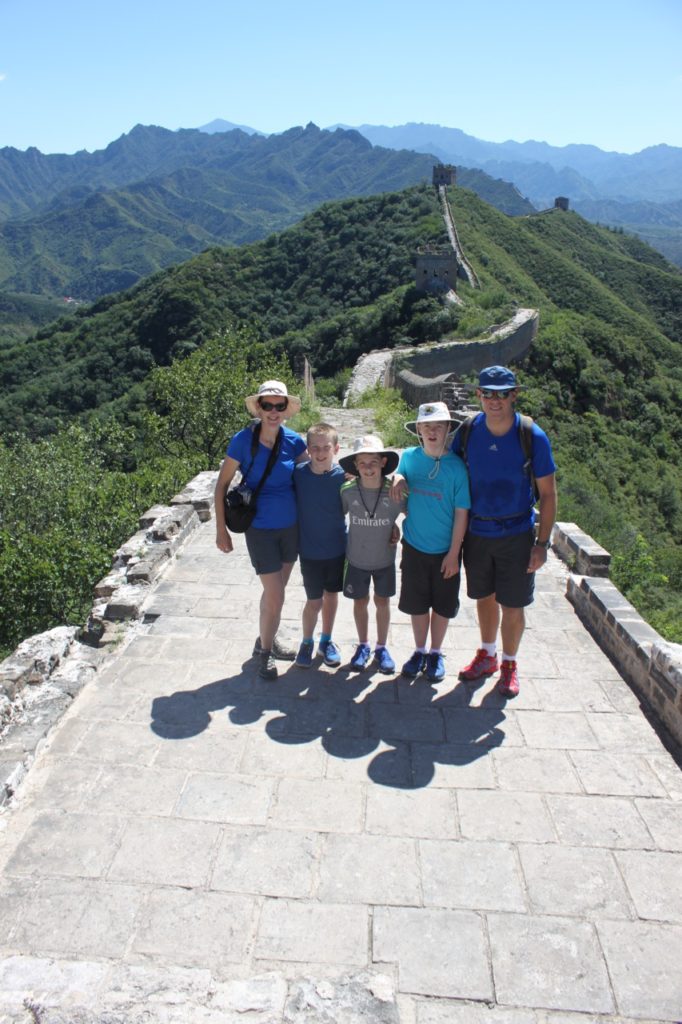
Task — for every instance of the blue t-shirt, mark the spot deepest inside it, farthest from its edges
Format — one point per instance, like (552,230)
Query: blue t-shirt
(321,521)
(432,500)
(499,486)
(276,503)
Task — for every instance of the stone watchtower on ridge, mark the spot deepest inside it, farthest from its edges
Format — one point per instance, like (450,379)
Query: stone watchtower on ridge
(436,268)
(444,174)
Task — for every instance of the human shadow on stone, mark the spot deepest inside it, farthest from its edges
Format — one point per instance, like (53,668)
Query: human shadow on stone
(351,714)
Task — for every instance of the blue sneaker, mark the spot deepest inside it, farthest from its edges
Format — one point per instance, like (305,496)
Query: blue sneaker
(414,665)
(304,658)
(360,657)
(330,653)
(435,667)
(383,661)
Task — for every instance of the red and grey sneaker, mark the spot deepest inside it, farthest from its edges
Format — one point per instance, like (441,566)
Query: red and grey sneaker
(508,683)
(482,665)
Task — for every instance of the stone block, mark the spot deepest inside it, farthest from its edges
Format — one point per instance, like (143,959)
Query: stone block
(578,549)
(266,862)
(134,547)
(471,875)
(304,932)
(126,603)
(644,964)
(110,582)
(149,567)
(568,970)
(370,870)
(195,928)
(654,879)
(437,952)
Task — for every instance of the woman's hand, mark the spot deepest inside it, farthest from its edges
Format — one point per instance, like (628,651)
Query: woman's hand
(222,539)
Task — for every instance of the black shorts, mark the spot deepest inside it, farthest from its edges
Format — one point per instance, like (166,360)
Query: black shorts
(423,586)
(497,565)
(356,581)
(269,550)
(322,574)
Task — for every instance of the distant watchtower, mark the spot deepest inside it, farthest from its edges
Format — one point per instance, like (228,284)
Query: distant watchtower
(561,203)
(436,269)
(444,174)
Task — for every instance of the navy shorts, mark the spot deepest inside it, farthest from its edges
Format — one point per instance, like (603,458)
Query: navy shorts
(322,574)
(497,565)
(423,586)
(356,581)
(269,550)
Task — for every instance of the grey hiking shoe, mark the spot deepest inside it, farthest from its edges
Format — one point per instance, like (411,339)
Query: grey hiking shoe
(267,668)
(280,650)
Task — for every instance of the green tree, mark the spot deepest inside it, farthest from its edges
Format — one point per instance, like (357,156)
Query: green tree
(199,401)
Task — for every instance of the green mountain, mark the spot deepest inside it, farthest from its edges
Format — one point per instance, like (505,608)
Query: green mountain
(105,229)
(604,376)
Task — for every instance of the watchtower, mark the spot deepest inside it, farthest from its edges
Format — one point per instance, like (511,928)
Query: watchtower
(444,174)
(561,203)
(436,269)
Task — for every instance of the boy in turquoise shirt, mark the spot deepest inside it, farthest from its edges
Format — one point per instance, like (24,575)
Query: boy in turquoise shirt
(437,486)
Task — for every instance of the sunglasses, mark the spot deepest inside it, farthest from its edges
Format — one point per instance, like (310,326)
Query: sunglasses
(277,406)
(504,395)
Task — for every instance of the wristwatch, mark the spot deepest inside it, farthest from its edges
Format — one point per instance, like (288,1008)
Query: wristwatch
(546,544)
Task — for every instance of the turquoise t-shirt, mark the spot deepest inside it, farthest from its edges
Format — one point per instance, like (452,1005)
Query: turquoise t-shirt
(432,499)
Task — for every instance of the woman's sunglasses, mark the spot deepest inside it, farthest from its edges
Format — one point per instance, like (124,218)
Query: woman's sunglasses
(277,406)
(497,394)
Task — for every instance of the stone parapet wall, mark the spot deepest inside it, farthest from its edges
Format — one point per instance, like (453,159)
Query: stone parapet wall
(651,665)
(418,372)
(577,549)
(41,677)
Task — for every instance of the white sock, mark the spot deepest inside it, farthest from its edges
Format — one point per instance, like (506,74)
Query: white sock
(490,649)
(508,657)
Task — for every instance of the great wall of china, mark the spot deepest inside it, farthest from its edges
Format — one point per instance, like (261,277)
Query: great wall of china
(182,842)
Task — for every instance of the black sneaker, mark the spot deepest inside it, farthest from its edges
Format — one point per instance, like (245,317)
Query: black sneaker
(279,650)
(267,668)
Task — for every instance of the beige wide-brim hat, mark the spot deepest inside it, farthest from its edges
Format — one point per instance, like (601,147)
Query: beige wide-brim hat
(432,412)
(370,444)
(273,389)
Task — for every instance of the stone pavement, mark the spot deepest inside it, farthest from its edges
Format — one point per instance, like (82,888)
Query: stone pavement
(192,844)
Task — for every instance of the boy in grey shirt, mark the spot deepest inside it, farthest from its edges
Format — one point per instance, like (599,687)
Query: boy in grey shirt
(371,550)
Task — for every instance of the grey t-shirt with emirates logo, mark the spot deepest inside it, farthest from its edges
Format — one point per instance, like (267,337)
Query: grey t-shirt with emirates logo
(370,522)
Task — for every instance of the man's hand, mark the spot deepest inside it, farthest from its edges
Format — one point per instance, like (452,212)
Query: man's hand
(538,557)
(450,565)
(395,535)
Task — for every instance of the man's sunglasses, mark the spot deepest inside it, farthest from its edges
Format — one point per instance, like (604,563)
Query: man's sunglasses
(277,406)
(504,395)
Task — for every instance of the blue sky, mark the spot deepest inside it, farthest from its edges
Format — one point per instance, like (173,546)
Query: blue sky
(77,75)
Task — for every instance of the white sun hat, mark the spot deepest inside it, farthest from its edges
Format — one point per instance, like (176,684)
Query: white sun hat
(273,389)
(370,444)
(432,412)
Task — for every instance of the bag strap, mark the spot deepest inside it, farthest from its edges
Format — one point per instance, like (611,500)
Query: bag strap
(270,463)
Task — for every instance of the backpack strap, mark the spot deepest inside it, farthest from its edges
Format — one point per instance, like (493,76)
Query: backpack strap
(526,439)
(463,431)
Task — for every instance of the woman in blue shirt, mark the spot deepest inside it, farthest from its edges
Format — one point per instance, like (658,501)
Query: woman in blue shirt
(272,538)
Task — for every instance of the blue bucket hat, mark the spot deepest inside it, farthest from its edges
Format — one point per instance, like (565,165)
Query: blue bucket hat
(497,378)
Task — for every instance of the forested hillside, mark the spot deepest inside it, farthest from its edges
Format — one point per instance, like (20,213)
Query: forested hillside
(97,223)
(604,376)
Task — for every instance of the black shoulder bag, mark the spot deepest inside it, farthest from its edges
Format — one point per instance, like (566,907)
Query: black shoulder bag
(240,502)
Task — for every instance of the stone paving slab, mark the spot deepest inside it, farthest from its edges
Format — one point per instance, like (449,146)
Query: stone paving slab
(193,844)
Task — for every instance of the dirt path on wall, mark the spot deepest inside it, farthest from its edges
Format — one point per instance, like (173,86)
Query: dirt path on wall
(350,423)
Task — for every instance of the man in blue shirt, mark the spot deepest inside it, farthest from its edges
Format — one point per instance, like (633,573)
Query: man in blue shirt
(504,546)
